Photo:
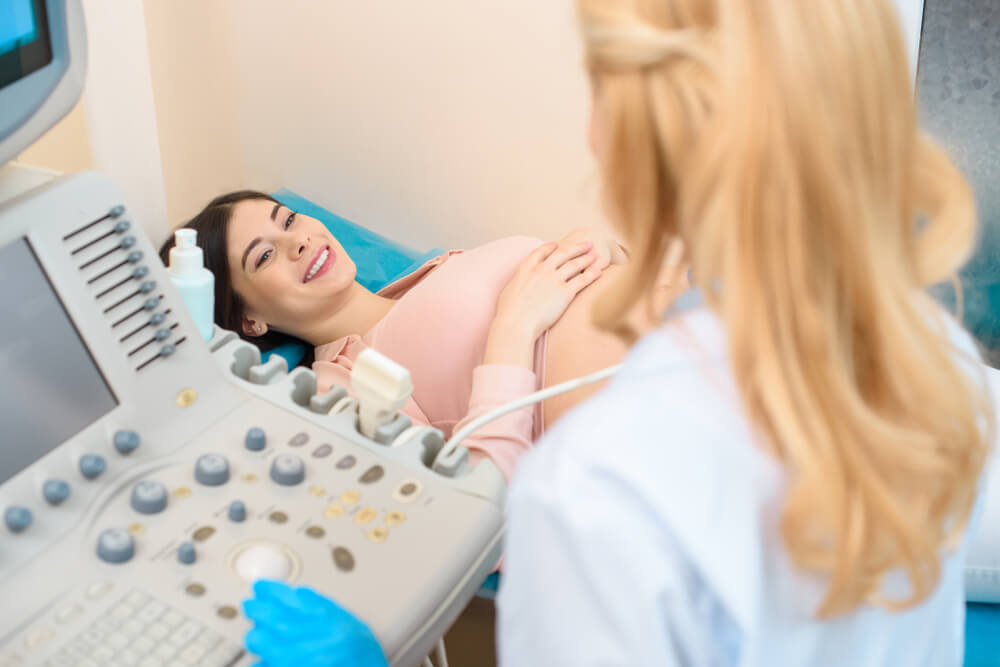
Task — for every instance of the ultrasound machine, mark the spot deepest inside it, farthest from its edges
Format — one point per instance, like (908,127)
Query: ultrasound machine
(148,477)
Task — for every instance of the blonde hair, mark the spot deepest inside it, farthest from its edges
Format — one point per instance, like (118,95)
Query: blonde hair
(779,141)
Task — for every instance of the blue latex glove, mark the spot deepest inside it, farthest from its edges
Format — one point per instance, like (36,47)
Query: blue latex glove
(298,627)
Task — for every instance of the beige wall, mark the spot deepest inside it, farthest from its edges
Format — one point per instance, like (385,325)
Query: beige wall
(445,123)
(65,147)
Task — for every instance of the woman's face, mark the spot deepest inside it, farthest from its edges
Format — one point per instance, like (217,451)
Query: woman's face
(287,267)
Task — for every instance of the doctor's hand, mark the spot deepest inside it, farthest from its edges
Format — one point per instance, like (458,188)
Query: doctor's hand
(535,297)
(301,628)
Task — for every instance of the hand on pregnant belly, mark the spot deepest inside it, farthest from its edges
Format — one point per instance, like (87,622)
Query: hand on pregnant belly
(545,283)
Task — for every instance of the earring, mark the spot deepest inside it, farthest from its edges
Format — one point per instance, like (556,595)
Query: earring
(257,328)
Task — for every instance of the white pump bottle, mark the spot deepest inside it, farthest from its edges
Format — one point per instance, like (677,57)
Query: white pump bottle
(195,283)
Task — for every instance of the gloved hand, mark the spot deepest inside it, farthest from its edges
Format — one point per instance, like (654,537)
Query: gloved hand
(298,627)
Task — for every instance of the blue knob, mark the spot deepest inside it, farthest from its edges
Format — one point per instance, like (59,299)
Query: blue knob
(150,304)
(126,441)
(211,470)
(256,439)
(157,319)
(122,226)
(162,334)
(116,211)
(134,256)
(167,350)
(237,511)
(17,518)
(115,546)
(186,554)
(147,286)
(288,470)
(55,491)
(92,465)
(126,242)
(140,272)
(149,497)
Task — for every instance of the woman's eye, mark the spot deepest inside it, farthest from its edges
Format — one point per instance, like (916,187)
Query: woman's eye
(263,258)
(289,220)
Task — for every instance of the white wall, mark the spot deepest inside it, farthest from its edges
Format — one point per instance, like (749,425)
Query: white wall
(118,100)
(442,123)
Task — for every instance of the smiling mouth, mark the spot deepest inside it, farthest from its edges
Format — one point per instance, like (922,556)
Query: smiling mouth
(320,264)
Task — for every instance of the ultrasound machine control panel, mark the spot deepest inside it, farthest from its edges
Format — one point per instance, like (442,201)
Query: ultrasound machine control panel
(147,477)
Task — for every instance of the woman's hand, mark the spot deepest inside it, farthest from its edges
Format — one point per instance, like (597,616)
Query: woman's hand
(538,294)
(608,249)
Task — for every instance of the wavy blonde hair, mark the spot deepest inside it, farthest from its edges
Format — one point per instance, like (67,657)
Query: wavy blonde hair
(779,141)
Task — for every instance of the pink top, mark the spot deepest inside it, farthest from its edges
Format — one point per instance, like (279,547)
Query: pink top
(438,330)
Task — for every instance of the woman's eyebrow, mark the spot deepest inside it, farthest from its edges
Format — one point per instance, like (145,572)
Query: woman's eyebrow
(274,211)
(251,246)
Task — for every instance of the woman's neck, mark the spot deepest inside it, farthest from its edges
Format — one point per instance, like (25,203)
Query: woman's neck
(356,315)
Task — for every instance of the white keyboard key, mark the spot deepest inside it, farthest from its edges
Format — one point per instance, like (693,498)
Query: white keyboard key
(223,655)
(137,599)
(128,657)
(176,663)
(107,625)
(93,635)
(150,661)
(80,647)
(88,663)
(101,654)
(208,640)
(68,612)
(165,651)
(151,611)
(117,640)
(172,619)
(121,610)
(185,633)
(99,589)
(192,654)
(38,637)
(60,661)
(157,631)
(132,628)
(143,645)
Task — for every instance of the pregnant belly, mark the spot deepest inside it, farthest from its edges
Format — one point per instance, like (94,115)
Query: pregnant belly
(576,347)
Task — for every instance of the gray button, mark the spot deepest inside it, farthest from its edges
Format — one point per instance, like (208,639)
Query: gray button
(134,256)
(167,350)
(149,497)
(150,304)
(115,546)
(126,242)
(298,440)
(140,272)
(162,334)
(126,441)
(116,211)
(55,491)
(186,553)
(288,470)
(322,451)
(343,559)
(17,518)
(372,475)
(122,226)
(202,533)
(211,470)
(157,319)
(147,286)
(256,439)
(92,465)
(237,511)
(347,462)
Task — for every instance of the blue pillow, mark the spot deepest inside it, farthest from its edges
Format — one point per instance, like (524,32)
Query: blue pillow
(379,260)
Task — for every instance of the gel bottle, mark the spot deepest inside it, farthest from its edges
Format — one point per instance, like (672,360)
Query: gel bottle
(195,283)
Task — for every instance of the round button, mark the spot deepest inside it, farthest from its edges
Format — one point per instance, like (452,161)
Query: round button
(237,511)
(298,440)
(346,462)
(122,226)
(147,286)
(394,518)
(92,465)
(211,470)
(115,546)
(116,210)
(126,242)
(365,515)
(167,350)
(227,612)
(149,497)
(157,319)
(263,561)
(256,439)
(372,475)
(288,470)
(315,532)
(322,451)
(195,589)
(55,491)
(17,518)
(162,334)
(150,304)
(278,517)
(202,533)
(140,272)
(186,553)
(343,559)
(126,441)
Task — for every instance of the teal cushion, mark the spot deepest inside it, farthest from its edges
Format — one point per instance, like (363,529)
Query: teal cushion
(379,260)
(982,635)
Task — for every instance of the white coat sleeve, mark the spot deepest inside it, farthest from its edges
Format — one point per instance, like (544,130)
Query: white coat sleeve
(593,578)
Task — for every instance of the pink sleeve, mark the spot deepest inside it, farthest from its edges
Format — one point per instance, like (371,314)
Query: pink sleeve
(503,440)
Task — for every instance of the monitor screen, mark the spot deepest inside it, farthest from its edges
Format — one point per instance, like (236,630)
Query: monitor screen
(50,387)
(25,43)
